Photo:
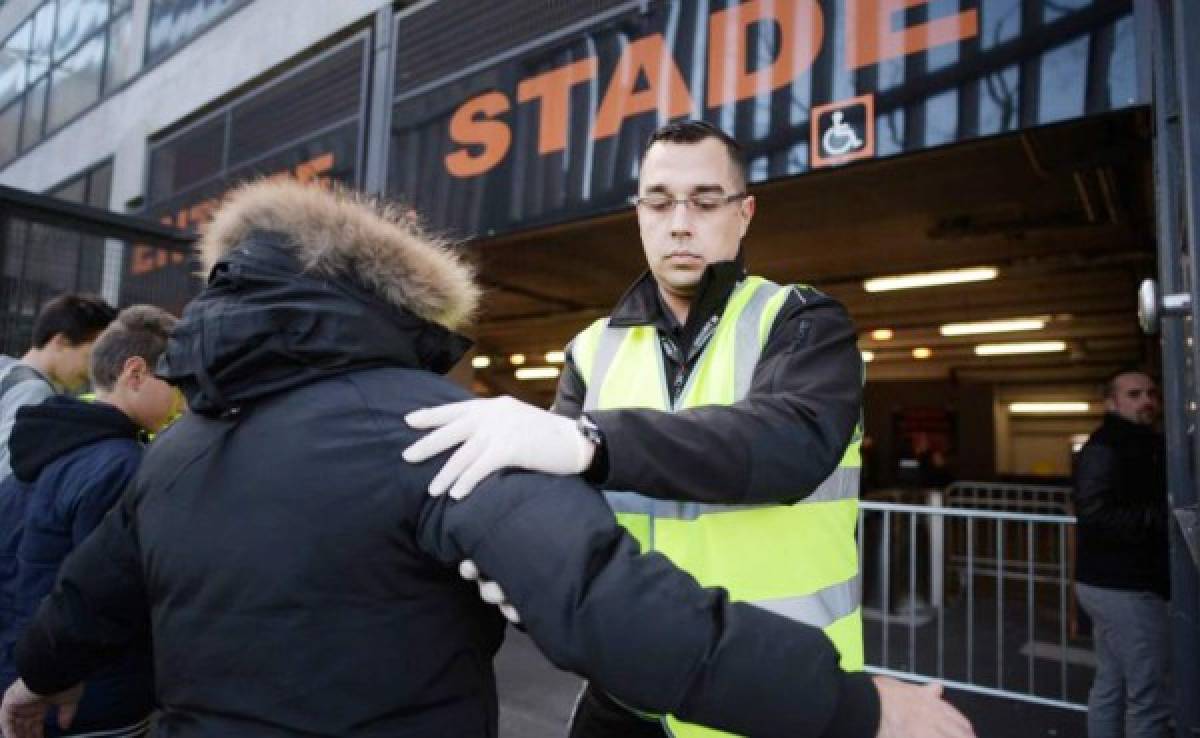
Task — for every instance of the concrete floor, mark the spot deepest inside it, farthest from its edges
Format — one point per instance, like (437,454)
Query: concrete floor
(536,701)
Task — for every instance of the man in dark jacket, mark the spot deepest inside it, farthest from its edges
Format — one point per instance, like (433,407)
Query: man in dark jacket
(71,462)
(293,574)
(1121,570)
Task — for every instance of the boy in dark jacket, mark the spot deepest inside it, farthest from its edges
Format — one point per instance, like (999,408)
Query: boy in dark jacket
(71,462)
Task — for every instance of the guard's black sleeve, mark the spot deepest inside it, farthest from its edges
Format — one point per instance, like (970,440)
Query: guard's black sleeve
(97,610)
(636,625)
(1122,519)
(776,445)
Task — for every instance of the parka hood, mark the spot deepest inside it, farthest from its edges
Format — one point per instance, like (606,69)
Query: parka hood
(334,232)
(43,433)
(306,283)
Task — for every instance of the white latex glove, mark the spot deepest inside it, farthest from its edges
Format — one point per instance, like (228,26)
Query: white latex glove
(23,713)
(493,434)
(489,591)
(909,711)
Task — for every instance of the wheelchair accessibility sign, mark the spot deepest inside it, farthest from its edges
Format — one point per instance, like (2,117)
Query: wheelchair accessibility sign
(843,131)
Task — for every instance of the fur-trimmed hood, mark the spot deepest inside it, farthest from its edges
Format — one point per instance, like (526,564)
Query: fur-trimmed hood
(338,233)
(306,284)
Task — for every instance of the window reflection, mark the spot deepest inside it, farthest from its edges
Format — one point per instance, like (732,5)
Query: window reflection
(999,101)
(13,56)
(10,126)
(172,22)
(35,108)
(121,62)
(75,83)
(999,21)
(1061,94)
(76,20)
(42,42)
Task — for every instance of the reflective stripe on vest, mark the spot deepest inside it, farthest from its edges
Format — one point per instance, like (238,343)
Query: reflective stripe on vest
(798,560)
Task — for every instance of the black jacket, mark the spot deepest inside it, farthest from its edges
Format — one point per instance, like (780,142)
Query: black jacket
(776,445)
(297,579)
(71,462)
(1121,502)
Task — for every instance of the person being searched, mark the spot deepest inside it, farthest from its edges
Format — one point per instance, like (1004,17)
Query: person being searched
(295,578)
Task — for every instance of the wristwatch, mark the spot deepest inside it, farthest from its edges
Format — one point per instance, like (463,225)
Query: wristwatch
(589,431)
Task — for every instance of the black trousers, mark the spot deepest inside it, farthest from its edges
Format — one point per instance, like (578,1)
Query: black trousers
(599,716)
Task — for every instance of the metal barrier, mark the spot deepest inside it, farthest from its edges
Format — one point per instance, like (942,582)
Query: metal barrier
(49,247)
(1025,498)
(979,599)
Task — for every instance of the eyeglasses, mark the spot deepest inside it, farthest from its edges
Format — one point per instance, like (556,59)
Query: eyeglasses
(702,202)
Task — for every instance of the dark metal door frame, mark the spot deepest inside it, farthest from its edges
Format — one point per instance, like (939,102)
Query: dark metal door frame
(1175,71)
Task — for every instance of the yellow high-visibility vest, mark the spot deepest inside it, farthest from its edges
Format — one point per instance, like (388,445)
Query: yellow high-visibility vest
(798,560)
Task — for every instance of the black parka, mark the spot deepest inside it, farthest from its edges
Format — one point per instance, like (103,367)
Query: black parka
(296,578)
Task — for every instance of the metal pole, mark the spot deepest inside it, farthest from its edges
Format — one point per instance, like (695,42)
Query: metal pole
(380,106)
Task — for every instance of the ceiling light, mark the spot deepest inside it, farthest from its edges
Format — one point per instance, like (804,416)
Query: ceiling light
(537,372)
(516,359)
(868,356)
(555,357)
(993,326)
(481,362)
(883,334)
(1009,349)
(930,279)
(1048,408)
(922,353)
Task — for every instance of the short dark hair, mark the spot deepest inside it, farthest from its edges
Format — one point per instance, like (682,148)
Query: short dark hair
(1110,382)
(140,330)
(77,318)
(695,131)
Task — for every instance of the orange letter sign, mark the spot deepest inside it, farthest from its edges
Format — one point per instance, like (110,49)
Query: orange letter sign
(647,56)
(471,124)
(870,38)
(801,28)
(554,89)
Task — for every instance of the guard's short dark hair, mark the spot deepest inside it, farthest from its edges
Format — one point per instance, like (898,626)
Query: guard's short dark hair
(78,318)
(140,330)
(695,131)
(1110,382)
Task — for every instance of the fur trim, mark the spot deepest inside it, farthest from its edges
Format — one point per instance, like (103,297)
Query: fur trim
(339,232)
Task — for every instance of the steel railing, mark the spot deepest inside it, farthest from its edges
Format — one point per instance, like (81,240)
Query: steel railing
(979,599)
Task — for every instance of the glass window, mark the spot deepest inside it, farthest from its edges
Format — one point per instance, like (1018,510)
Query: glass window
(1055,10)
(1000,21)
(100,186)
(121,62)
(1061,95)
(172,22)
(72,191)
(77,19)
(13,57)
(35,115)
(10,126)
(76,83)
(42,42)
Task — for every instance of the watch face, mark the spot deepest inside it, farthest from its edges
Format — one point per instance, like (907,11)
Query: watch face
(589,430)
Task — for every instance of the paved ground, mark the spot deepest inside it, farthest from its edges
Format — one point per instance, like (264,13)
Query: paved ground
(536,701)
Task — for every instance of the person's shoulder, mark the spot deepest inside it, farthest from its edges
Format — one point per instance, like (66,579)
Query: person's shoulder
(400,387)
(98,458)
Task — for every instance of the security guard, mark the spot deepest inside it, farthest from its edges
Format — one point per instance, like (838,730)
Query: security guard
(731,404)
